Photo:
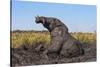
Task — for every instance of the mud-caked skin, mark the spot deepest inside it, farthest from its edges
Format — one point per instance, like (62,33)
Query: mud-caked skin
(61,41)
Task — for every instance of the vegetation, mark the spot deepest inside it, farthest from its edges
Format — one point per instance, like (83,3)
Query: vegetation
(85,37)
(19,38)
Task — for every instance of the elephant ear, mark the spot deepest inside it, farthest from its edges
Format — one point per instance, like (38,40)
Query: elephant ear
(57,23)
(52,24)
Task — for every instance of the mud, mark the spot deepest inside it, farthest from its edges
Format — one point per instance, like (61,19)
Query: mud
(33,55)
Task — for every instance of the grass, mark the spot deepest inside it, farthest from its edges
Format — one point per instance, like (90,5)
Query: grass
(19,38)
(85,37)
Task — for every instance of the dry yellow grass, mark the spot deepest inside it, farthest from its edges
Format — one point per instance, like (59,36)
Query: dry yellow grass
(31,38)
(85,37)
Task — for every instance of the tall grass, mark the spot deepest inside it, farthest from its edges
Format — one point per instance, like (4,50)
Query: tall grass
(85,37)
(33,37)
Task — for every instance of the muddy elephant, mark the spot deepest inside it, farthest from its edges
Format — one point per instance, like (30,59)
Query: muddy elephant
(61,41)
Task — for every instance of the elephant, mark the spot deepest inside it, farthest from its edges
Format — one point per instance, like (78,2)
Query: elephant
(61,40)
